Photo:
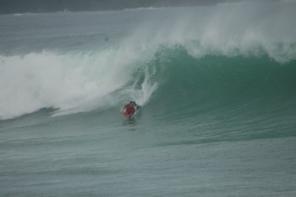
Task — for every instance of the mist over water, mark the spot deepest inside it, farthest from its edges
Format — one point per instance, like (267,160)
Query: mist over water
(217,86)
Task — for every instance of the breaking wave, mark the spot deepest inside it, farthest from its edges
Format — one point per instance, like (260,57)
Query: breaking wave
(211,53)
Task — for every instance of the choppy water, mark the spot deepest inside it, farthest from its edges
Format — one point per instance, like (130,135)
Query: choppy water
(217,85)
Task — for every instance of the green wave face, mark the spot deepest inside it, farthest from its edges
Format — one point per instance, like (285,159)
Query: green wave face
(226,98)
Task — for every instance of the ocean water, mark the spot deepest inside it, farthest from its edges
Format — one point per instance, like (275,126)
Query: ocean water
(218,90)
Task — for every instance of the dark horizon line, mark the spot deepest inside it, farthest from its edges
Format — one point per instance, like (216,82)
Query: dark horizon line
(44,6)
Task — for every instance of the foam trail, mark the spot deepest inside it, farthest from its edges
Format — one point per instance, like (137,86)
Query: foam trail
(142,94)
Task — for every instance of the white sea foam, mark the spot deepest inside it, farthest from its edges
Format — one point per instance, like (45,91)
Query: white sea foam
(70,82)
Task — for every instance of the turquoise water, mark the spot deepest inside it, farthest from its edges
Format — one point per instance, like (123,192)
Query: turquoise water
(217,86)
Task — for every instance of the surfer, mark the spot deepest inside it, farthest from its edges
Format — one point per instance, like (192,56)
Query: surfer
(130,109)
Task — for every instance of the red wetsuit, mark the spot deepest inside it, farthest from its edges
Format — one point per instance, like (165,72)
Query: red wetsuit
(128,110)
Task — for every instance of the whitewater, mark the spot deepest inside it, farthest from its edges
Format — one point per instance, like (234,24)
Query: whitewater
(217,86)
